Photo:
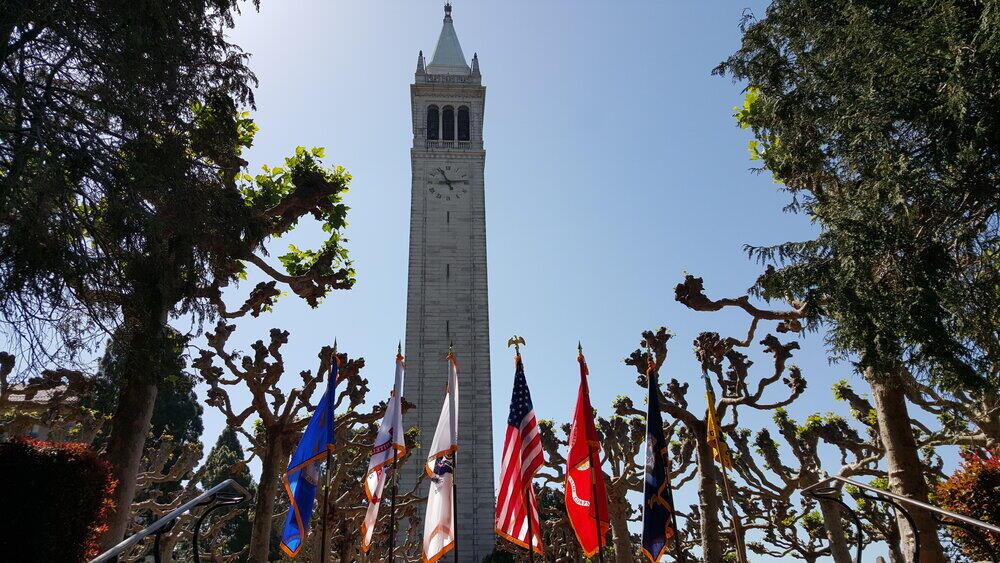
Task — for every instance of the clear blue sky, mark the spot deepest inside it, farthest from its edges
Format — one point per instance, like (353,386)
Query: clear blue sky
(613,167)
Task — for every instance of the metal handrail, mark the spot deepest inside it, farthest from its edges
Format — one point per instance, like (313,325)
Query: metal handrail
(163,524)
(823,491)
(917,503)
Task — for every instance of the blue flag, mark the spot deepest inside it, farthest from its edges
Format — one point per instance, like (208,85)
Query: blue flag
(302,476)
(658,520)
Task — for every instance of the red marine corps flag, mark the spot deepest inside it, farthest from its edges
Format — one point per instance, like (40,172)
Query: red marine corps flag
(586,501)
(517,509)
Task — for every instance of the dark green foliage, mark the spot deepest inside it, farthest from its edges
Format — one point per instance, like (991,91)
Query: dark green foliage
(124,199)
(97,103)
(176,413)
(225,461)
(882,121)
(54,498)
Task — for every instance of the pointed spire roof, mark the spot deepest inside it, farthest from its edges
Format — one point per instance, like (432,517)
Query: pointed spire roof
(448,57)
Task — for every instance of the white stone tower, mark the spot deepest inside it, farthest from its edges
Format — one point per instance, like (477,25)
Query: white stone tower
(447,298)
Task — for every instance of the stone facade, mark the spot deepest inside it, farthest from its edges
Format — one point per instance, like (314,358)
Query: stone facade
(447,294)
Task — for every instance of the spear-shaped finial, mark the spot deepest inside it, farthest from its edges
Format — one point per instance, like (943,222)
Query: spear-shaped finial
(579,347)
(516,341)
(451,347)
(399,348)
(334,346)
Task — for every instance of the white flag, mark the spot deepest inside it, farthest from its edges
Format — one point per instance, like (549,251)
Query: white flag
(389,445)
(439,522)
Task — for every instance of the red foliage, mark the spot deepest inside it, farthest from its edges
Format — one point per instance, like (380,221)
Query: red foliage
(55,496)
(974,490)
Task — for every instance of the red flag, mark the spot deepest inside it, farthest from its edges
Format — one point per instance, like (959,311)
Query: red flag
(584,477)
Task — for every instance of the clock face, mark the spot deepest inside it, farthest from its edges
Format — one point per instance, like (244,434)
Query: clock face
(448,182)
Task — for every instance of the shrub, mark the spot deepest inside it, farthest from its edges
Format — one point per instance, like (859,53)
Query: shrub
(54,501)
(974,490)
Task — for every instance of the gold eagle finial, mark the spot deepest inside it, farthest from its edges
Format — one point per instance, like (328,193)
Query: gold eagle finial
(516,341)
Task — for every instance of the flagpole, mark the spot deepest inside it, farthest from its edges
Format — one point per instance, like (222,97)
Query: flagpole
(737,527)
(329,466)
(395,480)
(326,507)
(597,508)
(531,533)
(654,383)
(392,508)
(454,466)
(593,483)
(516,341)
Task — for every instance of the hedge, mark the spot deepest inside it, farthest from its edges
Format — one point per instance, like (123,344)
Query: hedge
(54,500)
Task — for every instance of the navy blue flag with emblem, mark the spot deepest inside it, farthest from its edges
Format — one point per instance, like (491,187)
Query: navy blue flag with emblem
(302,476)
(658,519)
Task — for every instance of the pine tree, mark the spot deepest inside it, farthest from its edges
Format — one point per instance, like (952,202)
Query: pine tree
(225,461)
(880,119)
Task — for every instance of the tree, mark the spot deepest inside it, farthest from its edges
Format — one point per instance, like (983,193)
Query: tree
(176,412)
(974,490)
(125,201)
(714,353)
(881,122)
(225,461)
(280,419)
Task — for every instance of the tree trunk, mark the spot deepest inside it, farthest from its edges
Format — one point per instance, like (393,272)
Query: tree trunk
(263,516)
(906,475)
(833,524)
(709,502)
(835,532)
(619,508)
(143,334)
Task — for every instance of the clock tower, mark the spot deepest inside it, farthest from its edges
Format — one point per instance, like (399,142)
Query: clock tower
(446,287)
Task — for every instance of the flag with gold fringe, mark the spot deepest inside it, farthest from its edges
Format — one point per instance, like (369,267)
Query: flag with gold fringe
(301,479)
(658,517)
(389,446)
(439,518)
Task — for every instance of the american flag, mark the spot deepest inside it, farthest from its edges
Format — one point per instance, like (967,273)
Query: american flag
(522,456)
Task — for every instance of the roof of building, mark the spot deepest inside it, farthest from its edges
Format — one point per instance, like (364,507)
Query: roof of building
(448,57)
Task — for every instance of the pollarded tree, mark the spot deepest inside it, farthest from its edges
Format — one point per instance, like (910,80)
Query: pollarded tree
(280,419)
(348,502)
(738,391)
(881,122)
(124,199)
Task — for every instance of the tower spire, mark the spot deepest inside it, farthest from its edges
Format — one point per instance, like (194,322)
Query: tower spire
(448,57)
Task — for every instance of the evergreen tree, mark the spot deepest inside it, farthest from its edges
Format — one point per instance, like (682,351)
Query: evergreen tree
(176,413)
(225,461)
(124,198)
(881,120)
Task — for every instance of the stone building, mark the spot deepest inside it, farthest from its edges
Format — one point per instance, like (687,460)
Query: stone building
(447,295)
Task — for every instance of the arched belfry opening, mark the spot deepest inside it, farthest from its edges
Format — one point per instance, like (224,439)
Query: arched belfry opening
(433,123)
(463,123)
(448,123)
